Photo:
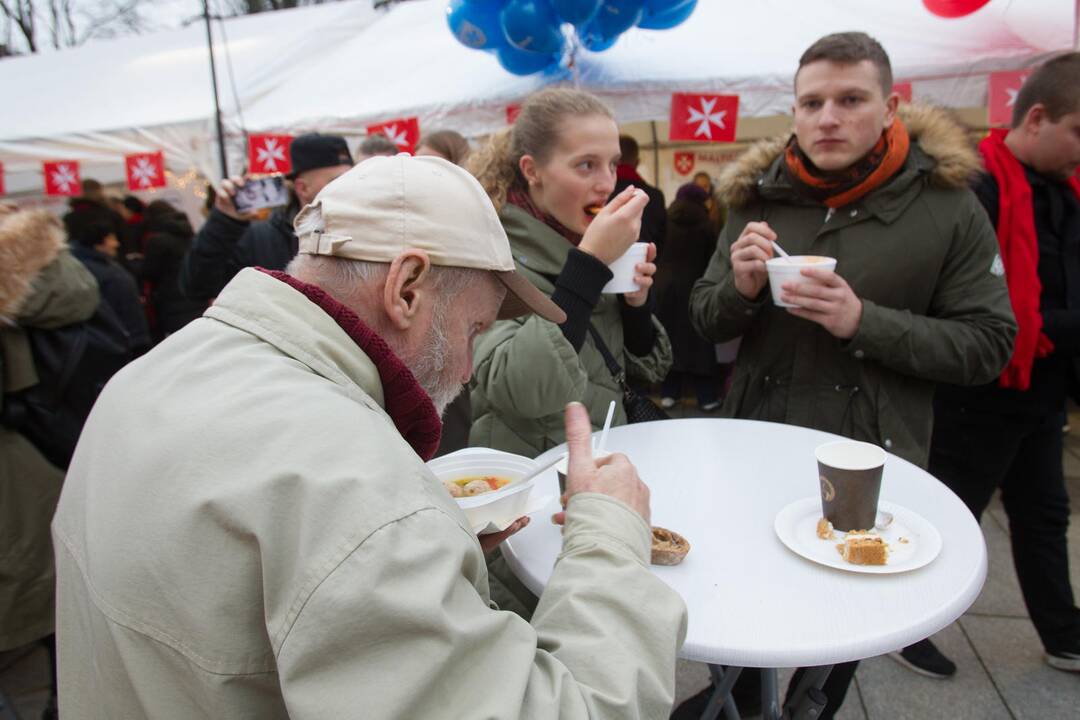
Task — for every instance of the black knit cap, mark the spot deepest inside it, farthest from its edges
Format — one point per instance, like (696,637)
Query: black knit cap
(315,150)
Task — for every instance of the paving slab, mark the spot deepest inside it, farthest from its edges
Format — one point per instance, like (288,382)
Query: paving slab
(1012,652)
(891,691)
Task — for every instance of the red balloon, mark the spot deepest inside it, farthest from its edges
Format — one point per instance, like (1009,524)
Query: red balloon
(953,8)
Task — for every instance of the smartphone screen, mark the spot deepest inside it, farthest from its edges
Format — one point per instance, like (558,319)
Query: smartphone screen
(259,193)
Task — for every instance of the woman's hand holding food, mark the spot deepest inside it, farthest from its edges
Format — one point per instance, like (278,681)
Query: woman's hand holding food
(616,227)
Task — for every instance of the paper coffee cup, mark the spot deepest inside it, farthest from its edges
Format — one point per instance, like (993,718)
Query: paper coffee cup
(782,270)
(849,474)
(623,270)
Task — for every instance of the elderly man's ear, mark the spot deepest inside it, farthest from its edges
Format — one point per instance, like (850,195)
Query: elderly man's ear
(408,282)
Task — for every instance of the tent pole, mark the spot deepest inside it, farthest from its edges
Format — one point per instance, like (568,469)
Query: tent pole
(655,155)
(217,103)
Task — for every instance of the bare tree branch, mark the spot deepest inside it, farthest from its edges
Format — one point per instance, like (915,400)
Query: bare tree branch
(23,17)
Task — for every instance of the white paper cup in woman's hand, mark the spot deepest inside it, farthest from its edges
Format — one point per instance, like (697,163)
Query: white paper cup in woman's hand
(624,270)
(789,269)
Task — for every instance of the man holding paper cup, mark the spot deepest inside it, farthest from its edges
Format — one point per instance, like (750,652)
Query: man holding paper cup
(896,288)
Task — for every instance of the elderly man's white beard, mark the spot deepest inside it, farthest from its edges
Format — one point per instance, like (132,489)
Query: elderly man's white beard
(430,365)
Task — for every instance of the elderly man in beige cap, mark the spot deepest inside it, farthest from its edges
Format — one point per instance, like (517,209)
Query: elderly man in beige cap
(248,528)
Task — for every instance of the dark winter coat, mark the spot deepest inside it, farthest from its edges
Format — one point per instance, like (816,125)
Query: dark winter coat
(688,247)
(41,286)
(119,290)
(225,246)
(167,240)
(921,255)
(654,217)
(1057,376)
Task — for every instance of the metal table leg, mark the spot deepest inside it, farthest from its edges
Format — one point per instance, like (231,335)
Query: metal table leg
(723,680)
(770,695)
(808,701)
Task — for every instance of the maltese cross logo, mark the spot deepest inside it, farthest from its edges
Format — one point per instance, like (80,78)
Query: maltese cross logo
(270,154)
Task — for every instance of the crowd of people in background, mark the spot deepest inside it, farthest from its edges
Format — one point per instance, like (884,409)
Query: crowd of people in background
(929,316)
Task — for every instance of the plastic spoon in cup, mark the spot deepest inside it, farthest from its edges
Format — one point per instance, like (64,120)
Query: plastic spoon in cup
(607,426)
(541,469)
(783,254)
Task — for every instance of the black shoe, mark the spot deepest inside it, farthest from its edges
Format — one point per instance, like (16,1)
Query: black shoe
(1067,660)
(924,658)
(692,708)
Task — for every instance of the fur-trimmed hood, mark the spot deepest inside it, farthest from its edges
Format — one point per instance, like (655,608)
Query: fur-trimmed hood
(939,136)
(29,240)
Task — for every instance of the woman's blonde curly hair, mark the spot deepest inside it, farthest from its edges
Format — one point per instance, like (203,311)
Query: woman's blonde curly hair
(535,133)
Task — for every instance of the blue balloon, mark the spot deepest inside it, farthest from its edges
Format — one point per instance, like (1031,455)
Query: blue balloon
(659,6)
(522,62)
(666,19)
(593,39)
(475,23)
(618,16)
(531,25)
(576,12)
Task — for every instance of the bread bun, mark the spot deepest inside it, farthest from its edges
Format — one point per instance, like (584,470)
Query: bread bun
(668,548)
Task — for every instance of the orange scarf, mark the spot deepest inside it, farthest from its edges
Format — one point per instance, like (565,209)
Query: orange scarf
(837,189)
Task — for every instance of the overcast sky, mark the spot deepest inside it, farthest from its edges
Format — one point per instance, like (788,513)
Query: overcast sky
(156,15)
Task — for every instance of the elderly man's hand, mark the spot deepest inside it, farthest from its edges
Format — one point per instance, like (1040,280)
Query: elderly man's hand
(611,475)
(488,543)
(830,302)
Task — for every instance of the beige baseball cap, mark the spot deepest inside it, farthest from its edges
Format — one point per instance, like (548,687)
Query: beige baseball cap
(386,205)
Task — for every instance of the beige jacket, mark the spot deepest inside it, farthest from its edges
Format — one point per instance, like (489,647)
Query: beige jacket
(244,534)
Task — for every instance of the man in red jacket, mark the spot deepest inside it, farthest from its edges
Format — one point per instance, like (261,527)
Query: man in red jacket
(1008,434)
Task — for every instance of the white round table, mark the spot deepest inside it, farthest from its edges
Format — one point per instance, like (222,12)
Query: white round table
(752,602)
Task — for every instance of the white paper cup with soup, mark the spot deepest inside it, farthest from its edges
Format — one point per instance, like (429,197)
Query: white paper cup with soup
(465,476)
(789,269)
(623,270)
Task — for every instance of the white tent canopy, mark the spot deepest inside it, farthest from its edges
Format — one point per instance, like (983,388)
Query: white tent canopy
(342,66)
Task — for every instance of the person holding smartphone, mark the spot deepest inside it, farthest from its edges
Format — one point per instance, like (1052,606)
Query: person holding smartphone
(230,240)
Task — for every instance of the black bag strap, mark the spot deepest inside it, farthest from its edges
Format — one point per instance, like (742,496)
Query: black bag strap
(612,364)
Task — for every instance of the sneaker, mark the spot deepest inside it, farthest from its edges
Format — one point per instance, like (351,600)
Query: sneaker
(1063,660)
(667,402)
(925,659)
(710,406)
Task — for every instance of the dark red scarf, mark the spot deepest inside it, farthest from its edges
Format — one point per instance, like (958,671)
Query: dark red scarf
(1020,253)
(523,200)
(407,404)
(837,189)
(628,172)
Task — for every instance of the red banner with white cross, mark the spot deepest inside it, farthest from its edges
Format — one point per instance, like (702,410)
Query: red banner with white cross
(268,154)
(145,171)
(62,178)
(1001,95)
(403,132)
(697,117)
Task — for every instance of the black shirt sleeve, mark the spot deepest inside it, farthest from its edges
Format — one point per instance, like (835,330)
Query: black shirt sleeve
(577,291)
(639,333)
